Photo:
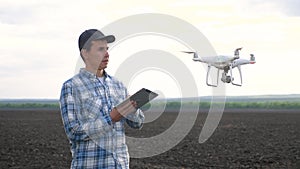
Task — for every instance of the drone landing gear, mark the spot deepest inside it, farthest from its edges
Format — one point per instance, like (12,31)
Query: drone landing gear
(225,78)
(208,84)
(229,79)
(236,84)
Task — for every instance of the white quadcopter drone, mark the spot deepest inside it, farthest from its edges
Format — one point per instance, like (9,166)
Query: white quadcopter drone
(225,63)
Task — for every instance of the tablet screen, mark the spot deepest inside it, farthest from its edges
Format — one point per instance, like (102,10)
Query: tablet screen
(143,96)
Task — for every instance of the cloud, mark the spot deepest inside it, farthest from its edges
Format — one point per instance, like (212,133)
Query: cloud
(15,15)
(291,7)
(39,39)
(286,7)
(21,12)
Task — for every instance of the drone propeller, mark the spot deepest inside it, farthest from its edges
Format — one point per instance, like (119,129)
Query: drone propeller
(237,53)
(189,52)
(195,57)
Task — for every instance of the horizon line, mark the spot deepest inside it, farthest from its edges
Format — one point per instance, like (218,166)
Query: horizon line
(298,95)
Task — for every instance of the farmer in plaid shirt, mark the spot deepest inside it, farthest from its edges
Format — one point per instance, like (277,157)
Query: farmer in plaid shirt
(93,125)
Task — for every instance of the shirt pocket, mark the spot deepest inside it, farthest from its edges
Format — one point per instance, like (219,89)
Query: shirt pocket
(117,96)
(91,107)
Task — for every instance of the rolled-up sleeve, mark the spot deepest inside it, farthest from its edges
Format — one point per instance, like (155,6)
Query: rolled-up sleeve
(136,120)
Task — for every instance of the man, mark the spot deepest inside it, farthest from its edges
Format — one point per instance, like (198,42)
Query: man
(93,125)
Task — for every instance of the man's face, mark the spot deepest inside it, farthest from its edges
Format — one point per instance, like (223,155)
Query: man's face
(98,56)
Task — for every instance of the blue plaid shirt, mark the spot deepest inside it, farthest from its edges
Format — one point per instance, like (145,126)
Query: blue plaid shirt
(85,104)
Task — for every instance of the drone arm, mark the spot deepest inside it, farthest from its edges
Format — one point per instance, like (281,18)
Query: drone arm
(240,62)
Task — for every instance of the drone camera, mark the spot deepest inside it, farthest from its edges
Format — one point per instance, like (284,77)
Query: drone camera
(225,78)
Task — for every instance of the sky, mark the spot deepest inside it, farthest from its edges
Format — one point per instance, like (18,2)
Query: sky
(39,43)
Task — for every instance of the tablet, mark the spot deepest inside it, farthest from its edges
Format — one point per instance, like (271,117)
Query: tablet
(141,97)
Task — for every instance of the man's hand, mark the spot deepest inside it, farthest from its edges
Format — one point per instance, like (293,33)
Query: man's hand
(121,111)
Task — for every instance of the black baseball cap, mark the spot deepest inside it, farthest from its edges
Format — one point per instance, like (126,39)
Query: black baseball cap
(91,35)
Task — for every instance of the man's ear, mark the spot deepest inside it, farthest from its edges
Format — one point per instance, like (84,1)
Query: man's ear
(84,53)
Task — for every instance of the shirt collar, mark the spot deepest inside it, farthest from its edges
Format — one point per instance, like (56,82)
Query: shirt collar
(91,75)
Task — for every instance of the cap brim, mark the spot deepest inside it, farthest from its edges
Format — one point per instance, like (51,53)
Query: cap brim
(108,38)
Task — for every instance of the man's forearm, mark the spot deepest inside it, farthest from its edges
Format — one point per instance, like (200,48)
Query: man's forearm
(115,115)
